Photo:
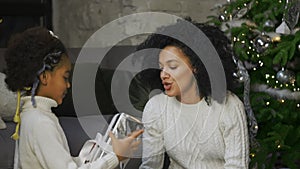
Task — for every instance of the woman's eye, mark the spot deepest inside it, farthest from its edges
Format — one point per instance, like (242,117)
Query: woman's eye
(173,67)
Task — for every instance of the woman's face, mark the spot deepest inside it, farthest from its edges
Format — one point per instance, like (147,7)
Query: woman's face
(177,73)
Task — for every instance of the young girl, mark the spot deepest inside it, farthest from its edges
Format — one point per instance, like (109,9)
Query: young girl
(38,68)
(195,129)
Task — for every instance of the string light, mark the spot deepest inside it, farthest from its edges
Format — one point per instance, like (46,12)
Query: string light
(267,76)
(267,103)
(276,81)
(298,105)
(258,55)
(268,81)
(252,155)
(281,85)
(273,77)
(286,85)
(279,146)
(254,68)
(282,100)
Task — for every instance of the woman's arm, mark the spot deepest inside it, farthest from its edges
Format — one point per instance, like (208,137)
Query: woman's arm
(235,135)
(153,145)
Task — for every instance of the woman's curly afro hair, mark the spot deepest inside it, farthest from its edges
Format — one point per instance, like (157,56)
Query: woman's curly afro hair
(218,39)
(25,56)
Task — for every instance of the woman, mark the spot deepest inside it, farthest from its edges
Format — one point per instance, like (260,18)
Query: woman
(195,129)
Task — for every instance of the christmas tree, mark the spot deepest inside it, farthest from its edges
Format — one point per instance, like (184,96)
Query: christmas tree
(265,38)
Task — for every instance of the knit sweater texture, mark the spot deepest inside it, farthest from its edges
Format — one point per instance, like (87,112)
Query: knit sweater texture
(195,136)
(43,144)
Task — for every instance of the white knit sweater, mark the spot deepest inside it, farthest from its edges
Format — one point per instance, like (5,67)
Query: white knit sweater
(43,144)
(195,136)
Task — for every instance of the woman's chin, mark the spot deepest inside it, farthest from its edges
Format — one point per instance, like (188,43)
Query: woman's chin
(169,93)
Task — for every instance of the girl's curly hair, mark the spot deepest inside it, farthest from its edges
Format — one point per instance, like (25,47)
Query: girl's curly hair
(25,56)
(220,42)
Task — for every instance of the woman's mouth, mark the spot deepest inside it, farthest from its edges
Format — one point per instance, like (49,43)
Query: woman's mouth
(167,85)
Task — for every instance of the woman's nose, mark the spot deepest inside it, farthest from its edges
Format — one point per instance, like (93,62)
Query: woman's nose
(164,74)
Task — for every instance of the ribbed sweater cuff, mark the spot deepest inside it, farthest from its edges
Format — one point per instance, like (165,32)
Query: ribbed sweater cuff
(111,160)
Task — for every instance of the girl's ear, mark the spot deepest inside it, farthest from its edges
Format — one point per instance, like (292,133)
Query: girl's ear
(44,78)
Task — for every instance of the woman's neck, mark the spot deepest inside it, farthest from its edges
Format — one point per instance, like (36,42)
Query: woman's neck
(190,97)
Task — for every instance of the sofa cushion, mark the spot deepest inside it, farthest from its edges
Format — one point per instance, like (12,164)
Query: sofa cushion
(8,102)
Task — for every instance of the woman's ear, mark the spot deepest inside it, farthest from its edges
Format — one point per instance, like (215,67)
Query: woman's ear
(44,78)
(195,70)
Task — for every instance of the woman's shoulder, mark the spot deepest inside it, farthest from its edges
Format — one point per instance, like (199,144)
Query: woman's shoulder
(158,98)
(232,99)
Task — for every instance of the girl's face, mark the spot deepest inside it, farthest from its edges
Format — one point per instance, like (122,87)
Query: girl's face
(177,74)
(54,84)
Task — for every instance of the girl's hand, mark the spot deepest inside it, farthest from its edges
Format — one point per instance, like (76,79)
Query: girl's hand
(124,148)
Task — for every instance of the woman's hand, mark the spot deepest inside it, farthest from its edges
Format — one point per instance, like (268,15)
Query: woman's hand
(125,147)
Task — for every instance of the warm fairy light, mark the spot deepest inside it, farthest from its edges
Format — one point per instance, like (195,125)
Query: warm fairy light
(279,146)
(254,68)
(276,39)
(268,103)
(258,55)
(252,155)
(267,76)
(273,77)
(293,84)
(234,39)
(268,81)
(243,42)
(298,105)
(248,52)
(298,89)
(286,85)
(281,85)
(282,101)
(256,127)
(295,89)
(276,81)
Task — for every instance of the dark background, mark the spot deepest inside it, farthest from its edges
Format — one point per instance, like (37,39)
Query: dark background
(18,15)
